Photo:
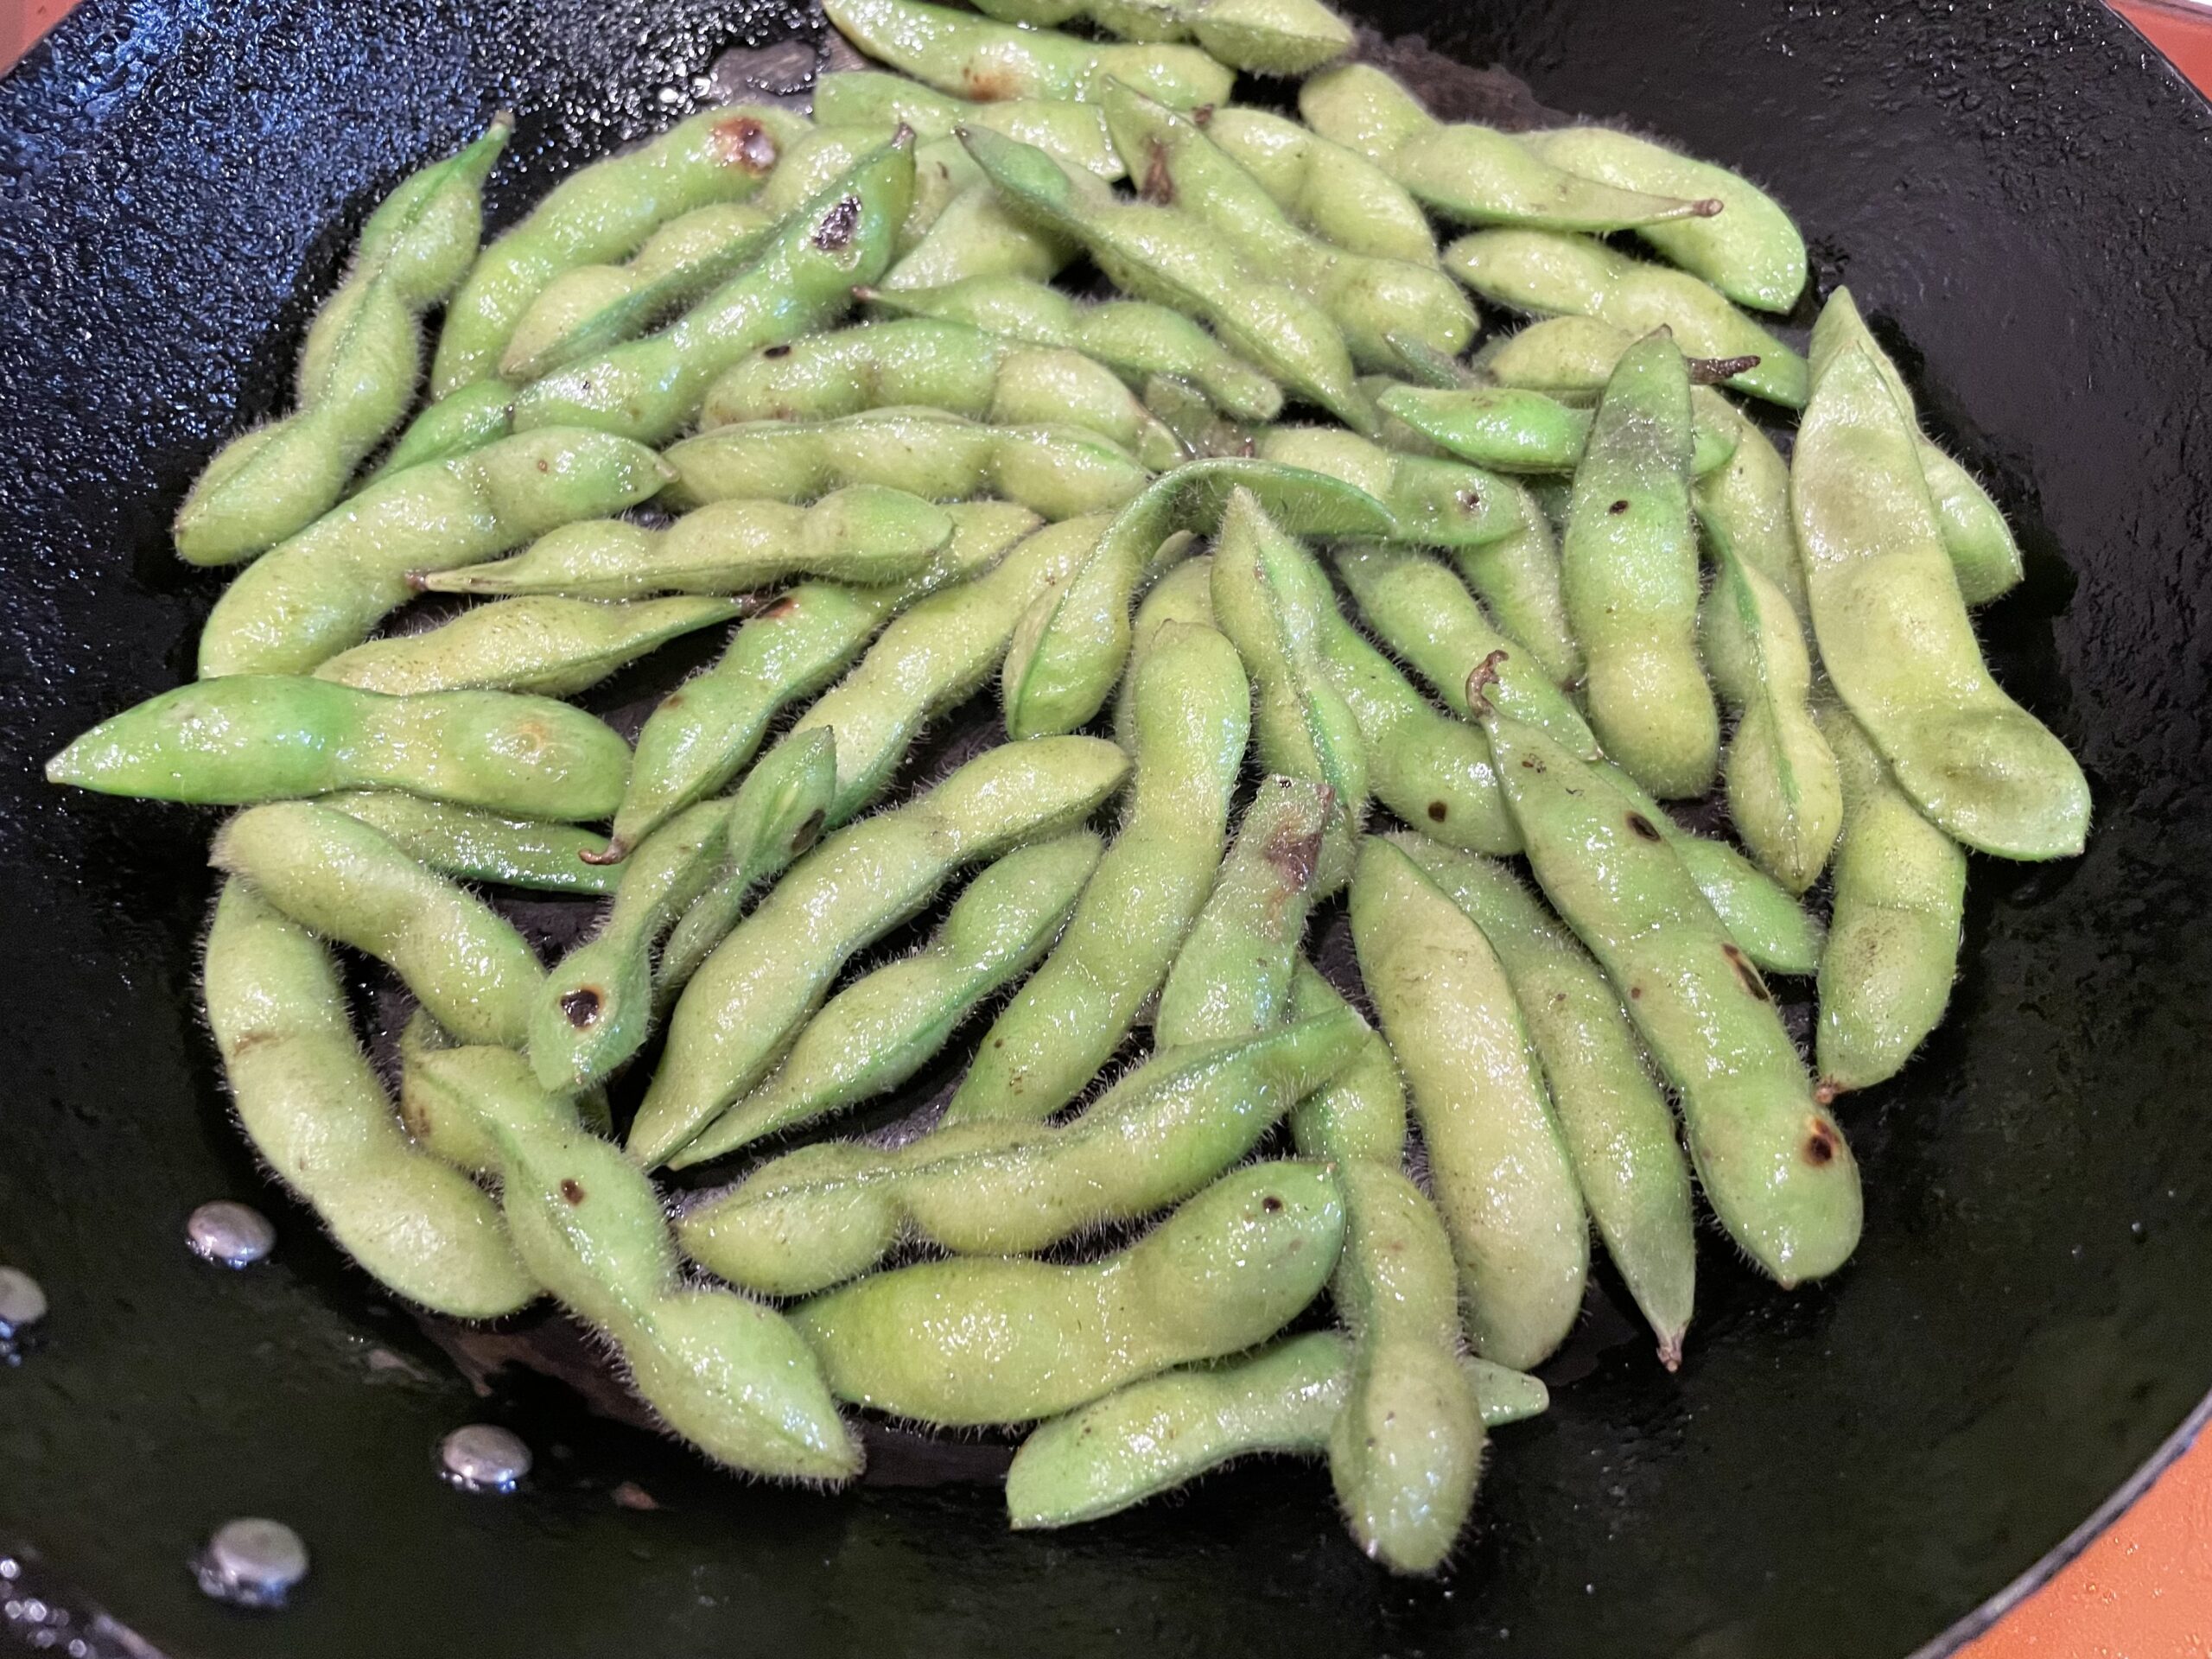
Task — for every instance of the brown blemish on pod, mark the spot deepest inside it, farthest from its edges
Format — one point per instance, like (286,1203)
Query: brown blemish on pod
(806,835)
(838,225)
(1159,183)
(1438,812)
(572,1189)
(582,1007)
(744,143)
(1821,1142)
(1643,827)
(1747,975)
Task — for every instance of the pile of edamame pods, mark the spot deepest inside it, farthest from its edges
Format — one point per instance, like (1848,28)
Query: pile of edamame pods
(1295,582)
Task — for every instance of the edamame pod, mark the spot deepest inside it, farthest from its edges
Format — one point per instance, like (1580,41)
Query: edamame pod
(357,371)
(326,588)
(479,413)
(963,56)
(481,847)
(1361,1114)
(1773,1164)
(1496,1157)
(727,1374)
(314,1109)
(1193,721)
(1618,1130)
(1074,131)
(1893,940)
(1332,190)
(1519,430)
(555,647)
(1466,172)
(649,388)
(1748,502)
(601,213)
(1430,503)
(1008,1340)
(254,737)
(1181,595)
(1628,572)
(333,873)
(1061,471)
(1895,638)
(1264,37)
(768,975)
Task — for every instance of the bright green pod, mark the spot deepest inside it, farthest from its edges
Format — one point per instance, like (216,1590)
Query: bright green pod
(479,413)
(358,367)
(767,976)
(1505,428)
(1074,131)
(601,213)
(1330,189)
(1895,640)
(338,877)
(1517,577)
(329,587)
(1181,595)
(1748,501)
(1008,1340)
(555,647)
(1430,503)
(1193,721)
(482,846)
(979,236)
(1893,939)
(968,57)
(1619,1129)
(253,737)
(1264,37)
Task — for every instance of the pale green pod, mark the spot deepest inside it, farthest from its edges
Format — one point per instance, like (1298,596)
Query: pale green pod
(1619,1129)
(439,1118)
(1193,721)
(1182,595)
(1750,251)
(482,846)
(761,982)
(968,57)
(256,737)
(358,367)
(1517,577)
(479,413)
(1008,1340)
(1895,638)
(555,647)
(981,236)
(1361,1114)
(326,588)
(1498,1160)
(1430,503)
(1748,502)
(340,878)
(1893,940)
(1510,429)
(1074,131)
(1332,190)
(1264,37)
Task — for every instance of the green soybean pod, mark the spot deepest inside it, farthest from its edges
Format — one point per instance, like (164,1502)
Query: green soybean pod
(1544,273)
(314,1109)
(1747,500)
(482,846)
(335,875)
(1984,557)
(481,413)
(1750,251)
(326,588)
(1773,1164)
(724,1373)
(1182,595)
(1893,939)
(601,213)
(1629,571)
(555,647)
(1895,637)
(357,371)
(254,737)
(1466,172)
(968,57)
(802,277)
(1193,721)
(1619,1129)
(1006,1340)
(1497,1156)
(1511,428)
(763,981)
(1430,503)
(1330,189)
(1264,37)
(1361,1113)
(1074,131)
(1517,577)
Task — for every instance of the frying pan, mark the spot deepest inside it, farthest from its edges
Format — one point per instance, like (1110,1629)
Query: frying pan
(2017,192)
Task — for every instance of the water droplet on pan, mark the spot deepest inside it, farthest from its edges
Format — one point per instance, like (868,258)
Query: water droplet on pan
(230,1235)
(483,1458)
(251,1563)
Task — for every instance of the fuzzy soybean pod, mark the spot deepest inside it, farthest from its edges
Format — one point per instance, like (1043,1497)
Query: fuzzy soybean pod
(1163,254)
(357,371)
(254,737)
(314,1109)
(943,365)
(1750,251)
(649,388)
(1136,338)
(480,413)
(1498,1158)
(1059,471)
(763,981)
(1263,37)
(1430,503)
(601,213)
(962,54)
(324,589)
(1330,189)
(482,846)
(1619,1129)
(1369,299)
(1895,638)
(555,647)
(1773,1164)
(1073,131)
(1004,1339)
(1784,797)
(335,875)
(1192,719)
(1984,557)
(1182,595)
(726,1374)
(1629,571)
(1893,939)
(1747,501)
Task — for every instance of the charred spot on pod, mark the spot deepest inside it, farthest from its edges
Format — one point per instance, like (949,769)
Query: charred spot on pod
(1271,1203)
(572,1189)
(1635,993)
(742,141)
(582,1007)
(1822,1141)
(1438,812)
(806,835)
(1745,972)
(1202,116)
(1159,183)
(1618,507)
(1712,371)
(1471,501)
(544,465)
(988,86)
(1643,827)
(783,606)
(838,225)
(1296,854)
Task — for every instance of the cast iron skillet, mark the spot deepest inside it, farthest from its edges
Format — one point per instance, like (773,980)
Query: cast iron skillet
(2016,191)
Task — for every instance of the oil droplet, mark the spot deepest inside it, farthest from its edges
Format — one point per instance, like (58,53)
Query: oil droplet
(483,1458)
(229,1234)
(23,1303)
(251,1563)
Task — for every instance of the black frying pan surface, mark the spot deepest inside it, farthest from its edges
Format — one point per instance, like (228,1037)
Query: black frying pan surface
(2022,198)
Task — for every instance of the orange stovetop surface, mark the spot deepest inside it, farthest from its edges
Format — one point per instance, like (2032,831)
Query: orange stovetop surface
(2143,1591)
